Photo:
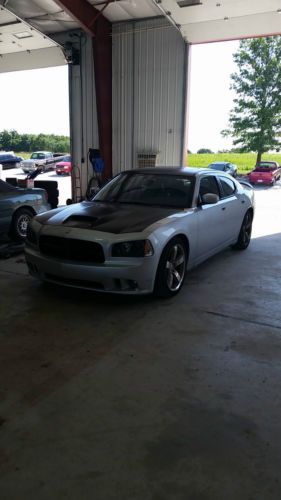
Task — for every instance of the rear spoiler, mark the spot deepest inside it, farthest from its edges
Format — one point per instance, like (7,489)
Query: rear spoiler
(245,183)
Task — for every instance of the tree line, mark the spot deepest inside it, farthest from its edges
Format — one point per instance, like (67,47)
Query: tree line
(11,140)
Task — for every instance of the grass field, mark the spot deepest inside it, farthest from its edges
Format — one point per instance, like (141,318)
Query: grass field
(24,155)
(244,161)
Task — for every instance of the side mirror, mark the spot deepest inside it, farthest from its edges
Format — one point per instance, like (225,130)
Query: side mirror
(209,199)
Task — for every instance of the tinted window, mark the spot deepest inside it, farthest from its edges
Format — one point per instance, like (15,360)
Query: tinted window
(37,156)
(269,164)
(218,166)
(228,187)
(209,185)
(149,189)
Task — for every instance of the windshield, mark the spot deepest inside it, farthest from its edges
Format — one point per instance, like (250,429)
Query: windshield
(165,190)
(67,158)
(266,166)
(5,187)
(218,166)
(37,156)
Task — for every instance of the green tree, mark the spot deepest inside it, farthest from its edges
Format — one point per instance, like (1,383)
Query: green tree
(204,151)
(11,140)
(255,120)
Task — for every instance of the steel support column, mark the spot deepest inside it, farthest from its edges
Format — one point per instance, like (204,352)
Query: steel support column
(95,24)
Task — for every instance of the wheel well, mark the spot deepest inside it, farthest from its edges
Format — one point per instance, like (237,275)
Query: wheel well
(251,210)
(185,241)
(27,207)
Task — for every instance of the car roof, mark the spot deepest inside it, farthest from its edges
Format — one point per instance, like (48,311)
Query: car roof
(41,152)
(268,161)
(169,170)
(220,163)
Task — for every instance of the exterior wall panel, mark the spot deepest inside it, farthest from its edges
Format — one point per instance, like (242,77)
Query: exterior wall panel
(149,82)
(149,96)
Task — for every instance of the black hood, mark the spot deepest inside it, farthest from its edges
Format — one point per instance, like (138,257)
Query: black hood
(109,217)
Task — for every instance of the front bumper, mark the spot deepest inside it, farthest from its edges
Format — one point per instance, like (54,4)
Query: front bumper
(31,167)
(119,276)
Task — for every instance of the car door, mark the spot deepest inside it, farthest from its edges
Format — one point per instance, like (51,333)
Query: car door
(6,207)
(211,219)
(233,207)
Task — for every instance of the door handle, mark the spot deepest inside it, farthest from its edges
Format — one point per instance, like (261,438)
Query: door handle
(223,208)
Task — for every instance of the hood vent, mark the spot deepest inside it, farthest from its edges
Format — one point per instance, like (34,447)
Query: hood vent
(82,221)
(188,3)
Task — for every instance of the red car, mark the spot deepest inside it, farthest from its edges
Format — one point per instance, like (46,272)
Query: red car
(64,166)
(266,172)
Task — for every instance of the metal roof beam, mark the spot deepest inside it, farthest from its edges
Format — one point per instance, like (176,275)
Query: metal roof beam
(99,28)
(85,14)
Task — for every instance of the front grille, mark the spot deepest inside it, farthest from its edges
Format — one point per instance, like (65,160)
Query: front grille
(71,249)
(74,282)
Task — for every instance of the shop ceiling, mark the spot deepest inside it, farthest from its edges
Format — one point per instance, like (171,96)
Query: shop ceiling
(27,26)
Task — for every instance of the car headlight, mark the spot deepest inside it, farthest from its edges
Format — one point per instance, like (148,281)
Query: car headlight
(138,248)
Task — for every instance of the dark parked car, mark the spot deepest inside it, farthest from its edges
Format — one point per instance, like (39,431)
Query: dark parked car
(18,206)
(9,160)
(224,166)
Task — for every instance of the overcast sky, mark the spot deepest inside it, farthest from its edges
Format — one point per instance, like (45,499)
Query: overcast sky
(210,97)
(37,101)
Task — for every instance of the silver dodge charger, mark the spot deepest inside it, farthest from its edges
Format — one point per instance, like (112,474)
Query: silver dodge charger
(142,231)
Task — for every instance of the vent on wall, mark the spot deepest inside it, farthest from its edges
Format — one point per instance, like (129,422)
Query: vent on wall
(188,3)
(146,159)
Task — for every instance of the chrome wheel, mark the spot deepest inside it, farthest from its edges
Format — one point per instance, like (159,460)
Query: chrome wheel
(22,224)
(175,266)
(20,221)
(244,237)
(247,230)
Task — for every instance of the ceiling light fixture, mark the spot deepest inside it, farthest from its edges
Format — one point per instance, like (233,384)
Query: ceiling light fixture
(188,3)
(23,34)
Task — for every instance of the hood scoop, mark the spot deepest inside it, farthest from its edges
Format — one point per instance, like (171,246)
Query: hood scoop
(83,221)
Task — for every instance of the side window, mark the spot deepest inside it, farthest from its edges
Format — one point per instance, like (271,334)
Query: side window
(208,185)
(228,187)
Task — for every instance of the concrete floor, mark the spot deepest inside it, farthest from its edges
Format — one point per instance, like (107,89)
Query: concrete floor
(109,398)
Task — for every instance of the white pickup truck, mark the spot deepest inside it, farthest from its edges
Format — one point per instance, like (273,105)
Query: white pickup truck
(40,159)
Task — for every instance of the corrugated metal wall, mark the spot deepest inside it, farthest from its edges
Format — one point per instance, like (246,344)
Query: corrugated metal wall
(149,96)
(149,92)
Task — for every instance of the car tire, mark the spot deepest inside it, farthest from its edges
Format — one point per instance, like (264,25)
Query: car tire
(244,237)
(171,269)
(20,221)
